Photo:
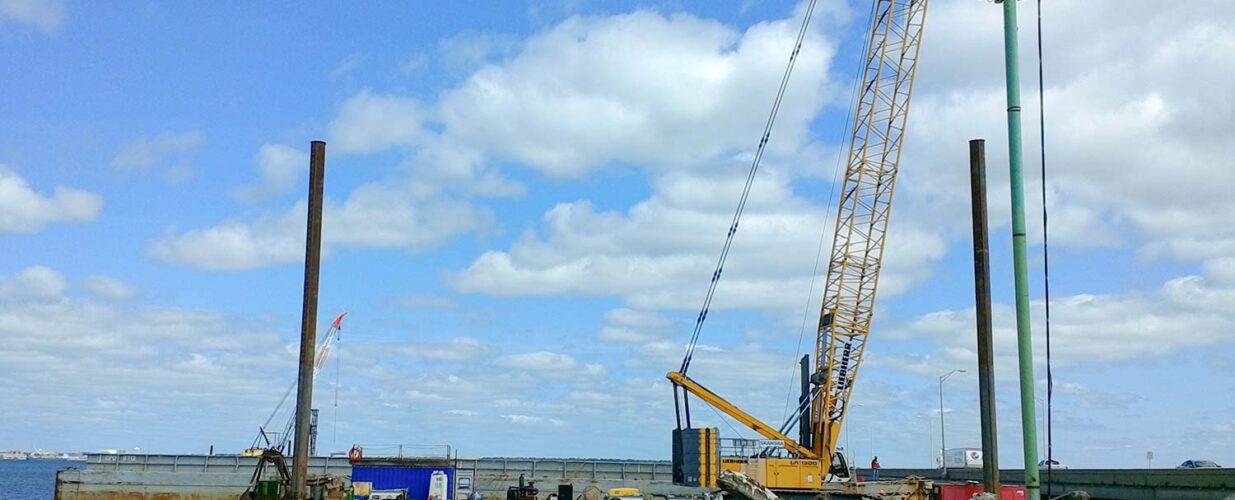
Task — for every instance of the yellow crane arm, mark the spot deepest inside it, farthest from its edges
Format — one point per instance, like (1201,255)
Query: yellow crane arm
(865,208)
(711,398)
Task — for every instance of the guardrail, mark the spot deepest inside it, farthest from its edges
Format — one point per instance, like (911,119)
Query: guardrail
(202,463)
(1134,484)
(589,469)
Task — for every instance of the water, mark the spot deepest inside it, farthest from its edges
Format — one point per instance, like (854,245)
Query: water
(31,479)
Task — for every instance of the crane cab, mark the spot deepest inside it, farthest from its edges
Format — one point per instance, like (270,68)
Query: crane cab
(700,454)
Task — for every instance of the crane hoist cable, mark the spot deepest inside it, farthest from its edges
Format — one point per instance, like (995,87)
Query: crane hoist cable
(750,178)
(1046,262)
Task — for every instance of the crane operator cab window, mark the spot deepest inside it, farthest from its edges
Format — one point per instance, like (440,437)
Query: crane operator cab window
(840,467)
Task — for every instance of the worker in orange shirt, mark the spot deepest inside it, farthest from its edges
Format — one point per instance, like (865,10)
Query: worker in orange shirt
(875,469)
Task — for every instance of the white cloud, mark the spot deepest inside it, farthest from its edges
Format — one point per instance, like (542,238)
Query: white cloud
(109,288)
(43,15)
(466,52)
(661,252)
(145,152)
(1137,136)
(630,325)
(368,122)
(441,163)
(22,210)
(375,215)
(703,112)
(237,246)
(280,166)
(37,283)
(348,65)
(80,364)
(538,361)
(453,350)
(582,94)
(531,419)
(1185,313)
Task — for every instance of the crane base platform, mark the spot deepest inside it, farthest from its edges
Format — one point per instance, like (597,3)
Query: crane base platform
(913,488)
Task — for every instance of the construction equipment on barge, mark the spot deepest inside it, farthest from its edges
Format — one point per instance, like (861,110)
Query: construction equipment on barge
(814,465)
(282,440)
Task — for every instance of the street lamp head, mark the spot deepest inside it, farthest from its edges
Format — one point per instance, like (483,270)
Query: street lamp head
(949,374)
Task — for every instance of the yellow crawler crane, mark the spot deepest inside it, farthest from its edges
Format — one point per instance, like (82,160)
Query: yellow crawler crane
(861,226)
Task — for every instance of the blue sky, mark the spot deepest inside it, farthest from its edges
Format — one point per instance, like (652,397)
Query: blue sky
(524,205)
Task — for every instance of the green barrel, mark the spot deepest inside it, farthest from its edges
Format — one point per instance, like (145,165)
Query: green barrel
(268,489)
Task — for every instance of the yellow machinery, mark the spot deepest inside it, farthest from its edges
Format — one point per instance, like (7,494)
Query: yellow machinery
(849,293)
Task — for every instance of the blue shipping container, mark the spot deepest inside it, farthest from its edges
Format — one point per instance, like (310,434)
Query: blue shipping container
(414,479)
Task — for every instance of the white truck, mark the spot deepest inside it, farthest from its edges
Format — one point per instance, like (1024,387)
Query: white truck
(962,458)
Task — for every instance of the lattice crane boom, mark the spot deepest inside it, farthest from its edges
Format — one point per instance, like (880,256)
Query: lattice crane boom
(862,218)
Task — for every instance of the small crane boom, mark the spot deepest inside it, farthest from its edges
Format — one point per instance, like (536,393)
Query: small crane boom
(742,417)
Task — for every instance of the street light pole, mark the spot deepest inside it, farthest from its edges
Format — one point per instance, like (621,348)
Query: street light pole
(943,437)
(1041,421)
(849,453)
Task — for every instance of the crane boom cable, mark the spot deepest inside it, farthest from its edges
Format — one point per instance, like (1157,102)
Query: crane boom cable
(750,178)
(1046,262)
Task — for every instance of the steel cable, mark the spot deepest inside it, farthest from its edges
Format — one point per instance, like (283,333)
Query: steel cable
(750,177)
(1046,268)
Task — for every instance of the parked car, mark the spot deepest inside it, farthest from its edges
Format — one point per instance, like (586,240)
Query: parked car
(1051,464)
(1199,464)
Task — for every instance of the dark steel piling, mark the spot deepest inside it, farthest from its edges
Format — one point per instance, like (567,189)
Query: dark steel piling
(982,303)
(308,319)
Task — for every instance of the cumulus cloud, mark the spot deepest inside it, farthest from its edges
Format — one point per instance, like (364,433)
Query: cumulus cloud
(236,245)
(88,368)
(280,168)
(23,210)
(578,95)
(532,419)
(452,350)
(1184,313)
(630,325)
(109,288)
(369,122)
(44,15)
(1136,130)
(146,152)
(375,215)
(540,360)
(33,283)
(569,101)
(661,253)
